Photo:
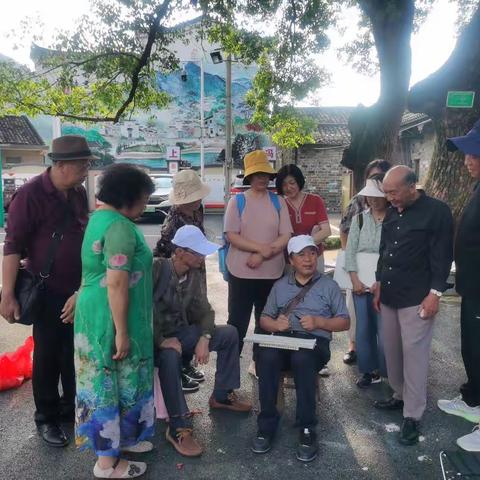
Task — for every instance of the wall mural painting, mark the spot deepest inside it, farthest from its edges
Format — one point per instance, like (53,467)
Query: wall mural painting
(144,139)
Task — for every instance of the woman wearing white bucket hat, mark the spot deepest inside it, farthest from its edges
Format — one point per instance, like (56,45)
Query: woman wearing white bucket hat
(364,238)
(186,197)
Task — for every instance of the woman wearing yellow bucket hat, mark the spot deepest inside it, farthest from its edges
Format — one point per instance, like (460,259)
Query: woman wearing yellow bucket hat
(258,227)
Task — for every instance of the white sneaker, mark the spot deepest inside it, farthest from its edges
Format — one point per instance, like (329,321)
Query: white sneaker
(324,372)
(141,447)
(458,407)
(134,469)
(470,442)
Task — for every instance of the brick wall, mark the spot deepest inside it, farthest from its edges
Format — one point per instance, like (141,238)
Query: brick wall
(322,170)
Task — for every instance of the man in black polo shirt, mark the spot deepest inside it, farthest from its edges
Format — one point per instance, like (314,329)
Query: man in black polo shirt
(467,262)
(416,252)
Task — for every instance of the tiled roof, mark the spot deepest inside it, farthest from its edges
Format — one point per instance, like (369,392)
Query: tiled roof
(410,120)
(332,127)
(19,131)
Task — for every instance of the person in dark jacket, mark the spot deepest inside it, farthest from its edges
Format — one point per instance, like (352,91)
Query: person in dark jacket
(467,262)
(184,323)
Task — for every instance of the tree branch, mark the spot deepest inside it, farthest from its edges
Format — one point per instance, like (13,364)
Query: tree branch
(78,63)
(153,30)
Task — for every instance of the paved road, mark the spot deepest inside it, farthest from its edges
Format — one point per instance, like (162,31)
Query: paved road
(356,441)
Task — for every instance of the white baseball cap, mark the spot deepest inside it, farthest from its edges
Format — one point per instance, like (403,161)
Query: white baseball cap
(372,188)
(298,243)
(191,237)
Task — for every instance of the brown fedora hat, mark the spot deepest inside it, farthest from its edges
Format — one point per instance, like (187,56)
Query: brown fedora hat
(70,147)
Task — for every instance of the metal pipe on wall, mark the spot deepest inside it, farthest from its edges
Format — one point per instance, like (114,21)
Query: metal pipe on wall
(202,120)
(228,129)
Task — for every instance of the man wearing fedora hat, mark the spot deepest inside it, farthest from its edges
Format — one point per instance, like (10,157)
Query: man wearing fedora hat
(467,262)
(50,203)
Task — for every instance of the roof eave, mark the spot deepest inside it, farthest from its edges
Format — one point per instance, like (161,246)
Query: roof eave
(22,146)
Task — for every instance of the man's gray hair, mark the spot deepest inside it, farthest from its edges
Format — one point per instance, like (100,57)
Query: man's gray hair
(410,178)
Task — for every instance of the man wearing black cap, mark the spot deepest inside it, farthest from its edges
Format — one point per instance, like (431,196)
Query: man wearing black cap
(467,261)
(51,206)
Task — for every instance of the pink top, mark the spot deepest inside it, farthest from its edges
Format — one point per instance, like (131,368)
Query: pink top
(260,222)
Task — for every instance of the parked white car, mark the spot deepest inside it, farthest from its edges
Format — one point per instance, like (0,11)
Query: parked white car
(158,205)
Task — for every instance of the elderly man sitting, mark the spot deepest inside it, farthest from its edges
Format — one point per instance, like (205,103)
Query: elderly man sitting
(303,304)
(184,323)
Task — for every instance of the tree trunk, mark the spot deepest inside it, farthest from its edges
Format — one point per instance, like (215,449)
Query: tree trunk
(447,178)
(374,130)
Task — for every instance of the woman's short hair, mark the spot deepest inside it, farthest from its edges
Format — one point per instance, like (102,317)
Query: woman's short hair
(122,185)
(284,172)
(380,164)
(378,177)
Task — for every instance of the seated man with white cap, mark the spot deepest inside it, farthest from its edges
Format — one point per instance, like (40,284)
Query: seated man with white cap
(184,322)
(302,304)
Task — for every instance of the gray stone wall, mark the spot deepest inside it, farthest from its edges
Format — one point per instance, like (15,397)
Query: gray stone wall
(422,152)
(323,173)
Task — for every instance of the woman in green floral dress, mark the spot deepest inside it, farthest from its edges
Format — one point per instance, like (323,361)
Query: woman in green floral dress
(113,328)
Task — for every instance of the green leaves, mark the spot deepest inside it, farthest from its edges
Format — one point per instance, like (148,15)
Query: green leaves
(104,70)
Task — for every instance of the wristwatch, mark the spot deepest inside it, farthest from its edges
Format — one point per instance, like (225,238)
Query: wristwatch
(207,336)
(436,292)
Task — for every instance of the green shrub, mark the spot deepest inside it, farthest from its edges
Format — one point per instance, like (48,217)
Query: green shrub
(332,243)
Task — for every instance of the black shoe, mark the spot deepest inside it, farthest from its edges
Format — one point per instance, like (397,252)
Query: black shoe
(53,435)
(307,447)
(390,404)
(262,443)
(189,386)
(67,414)
(409,432)
(368,379)
(350,357)
(193,373)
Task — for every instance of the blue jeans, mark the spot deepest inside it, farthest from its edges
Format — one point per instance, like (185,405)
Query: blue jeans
(224,341)
(368,338)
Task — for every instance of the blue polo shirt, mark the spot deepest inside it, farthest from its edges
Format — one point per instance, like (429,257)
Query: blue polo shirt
(324,299)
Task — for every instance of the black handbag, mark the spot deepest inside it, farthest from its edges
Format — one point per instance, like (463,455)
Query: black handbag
(28,289)
(28,286)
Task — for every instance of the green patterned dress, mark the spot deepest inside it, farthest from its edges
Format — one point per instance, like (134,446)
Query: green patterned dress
(114,406)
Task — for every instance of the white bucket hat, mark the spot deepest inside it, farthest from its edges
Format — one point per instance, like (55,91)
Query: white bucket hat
(298,243)
(372,188)
(187,188)
(191,237)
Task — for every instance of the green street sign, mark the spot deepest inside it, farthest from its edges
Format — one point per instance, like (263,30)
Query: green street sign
(460,99)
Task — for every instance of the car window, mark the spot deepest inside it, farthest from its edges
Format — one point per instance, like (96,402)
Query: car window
(162,182)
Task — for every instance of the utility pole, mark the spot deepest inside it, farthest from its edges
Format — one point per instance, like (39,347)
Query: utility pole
(202,119)
(227,168)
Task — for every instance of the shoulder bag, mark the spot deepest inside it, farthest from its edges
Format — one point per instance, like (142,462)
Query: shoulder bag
(28,286)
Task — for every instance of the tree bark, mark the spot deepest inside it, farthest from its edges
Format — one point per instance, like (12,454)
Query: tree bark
(374,130)
(447,178)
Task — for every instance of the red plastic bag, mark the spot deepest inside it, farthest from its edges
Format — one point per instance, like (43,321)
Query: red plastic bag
(16,366)
(22,358)
(9,376)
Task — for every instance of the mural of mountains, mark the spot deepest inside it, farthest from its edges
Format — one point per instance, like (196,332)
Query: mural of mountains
(186,94)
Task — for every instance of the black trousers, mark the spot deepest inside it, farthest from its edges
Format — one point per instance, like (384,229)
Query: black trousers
(243,295)
(470,336)
(304,364)
(52,361)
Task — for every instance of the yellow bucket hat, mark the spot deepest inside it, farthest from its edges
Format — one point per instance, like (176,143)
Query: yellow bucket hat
(257,162)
